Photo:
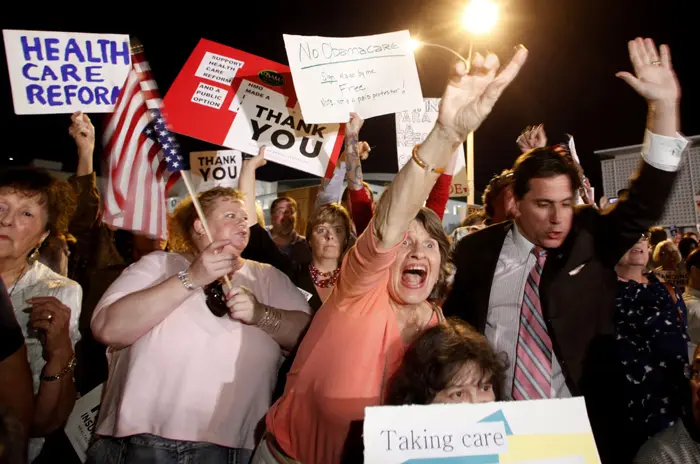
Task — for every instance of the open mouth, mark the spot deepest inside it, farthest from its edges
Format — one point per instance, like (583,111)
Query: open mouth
(635,251)
(414,275)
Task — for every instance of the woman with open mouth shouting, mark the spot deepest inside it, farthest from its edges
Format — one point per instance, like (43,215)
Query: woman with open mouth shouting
(382,300)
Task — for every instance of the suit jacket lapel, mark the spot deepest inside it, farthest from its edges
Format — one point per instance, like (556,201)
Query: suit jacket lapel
(484,268)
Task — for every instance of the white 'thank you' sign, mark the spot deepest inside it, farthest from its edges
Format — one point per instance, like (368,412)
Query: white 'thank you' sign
(64,72)
(371,75)
(215,169)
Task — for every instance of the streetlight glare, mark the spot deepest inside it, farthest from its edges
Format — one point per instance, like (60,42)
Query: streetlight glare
(415,44)
(480,16)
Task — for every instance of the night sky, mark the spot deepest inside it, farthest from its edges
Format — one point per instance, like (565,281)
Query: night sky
(568,83)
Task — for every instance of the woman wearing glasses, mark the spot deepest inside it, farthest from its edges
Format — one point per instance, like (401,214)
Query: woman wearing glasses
(651,342)
(191,375)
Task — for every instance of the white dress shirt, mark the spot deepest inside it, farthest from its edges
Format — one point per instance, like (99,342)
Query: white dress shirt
(503,320)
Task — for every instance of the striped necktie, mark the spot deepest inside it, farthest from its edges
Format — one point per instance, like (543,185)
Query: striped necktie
(533,357)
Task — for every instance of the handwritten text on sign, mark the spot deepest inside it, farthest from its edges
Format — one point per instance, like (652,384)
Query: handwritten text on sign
(412,127)
(372,75)
(215,168)
(63,72)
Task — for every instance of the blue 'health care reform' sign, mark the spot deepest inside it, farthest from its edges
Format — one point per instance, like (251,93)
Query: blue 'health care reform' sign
(64,72)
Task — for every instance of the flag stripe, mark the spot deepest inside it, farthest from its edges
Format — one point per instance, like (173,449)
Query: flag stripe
(140,172)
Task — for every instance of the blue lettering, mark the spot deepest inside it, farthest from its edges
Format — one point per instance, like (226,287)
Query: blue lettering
(101,96)
(85,100)
(103,47)
(51,51)
(90,57)
(115,94)
(70,91)
(27,49)
(92,74)
(124,53)
(54,92)
(72,48)
(25,71)
(69,70)
(48,72)
(35,91)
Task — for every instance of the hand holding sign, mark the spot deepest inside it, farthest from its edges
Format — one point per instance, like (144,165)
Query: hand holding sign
(472,93)
(363,150)
(256,161)
(83,132)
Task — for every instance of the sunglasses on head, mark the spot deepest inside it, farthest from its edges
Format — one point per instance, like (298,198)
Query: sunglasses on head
(646,236)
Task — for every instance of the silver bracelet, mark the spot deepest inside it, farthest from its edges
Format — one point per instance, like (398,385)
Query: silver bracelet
(184,277)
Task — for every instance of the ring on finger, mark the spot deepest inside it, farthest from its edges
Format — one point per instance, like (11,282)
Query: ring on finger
(656,63)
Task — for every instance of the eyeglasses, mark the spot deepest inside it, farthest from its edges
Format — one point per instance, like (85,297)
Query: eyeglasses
(216,300)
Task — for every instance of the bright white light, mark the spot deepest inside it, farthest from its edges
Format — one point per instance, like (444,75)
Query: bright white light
(414,44)
(480,16)
(11,159)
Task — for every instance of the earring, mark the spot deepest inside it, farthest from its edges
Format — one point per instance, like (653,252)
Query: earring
(33,256)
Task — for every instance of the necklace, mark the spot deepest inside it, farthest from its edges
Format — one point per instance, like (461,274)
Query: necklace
(19,279)
(323,279)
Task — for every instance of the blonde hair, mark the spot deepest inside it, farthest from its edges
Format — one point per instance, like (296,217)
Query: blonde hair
(181,221)
(668,243)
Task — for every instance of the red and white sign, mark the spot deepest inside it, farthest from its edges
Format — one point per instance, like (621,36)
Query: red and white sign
(242,101)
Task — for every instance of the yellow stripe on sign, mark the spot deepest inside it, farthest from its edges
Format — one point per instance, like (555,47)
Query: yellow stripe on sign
(531,447)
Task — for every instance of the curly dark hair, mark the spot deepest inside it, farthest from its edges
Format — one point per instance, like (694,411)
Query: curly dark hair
(55,196)
(436,357)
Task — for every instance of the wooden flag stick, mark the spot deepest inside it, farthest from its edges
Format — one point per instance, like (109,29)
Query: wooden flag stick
(195,201)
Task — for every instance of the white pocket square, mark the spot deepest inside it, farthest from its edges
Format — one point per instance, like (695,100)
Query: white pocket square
(577,269)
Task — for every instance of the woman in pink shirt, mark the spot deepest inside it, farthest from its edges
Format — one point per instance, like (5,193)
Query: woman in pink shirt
(190,375)
(382,299)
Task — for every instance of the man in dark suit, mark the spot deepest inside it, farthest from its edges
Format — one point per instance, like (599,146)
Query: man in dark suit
(542,288)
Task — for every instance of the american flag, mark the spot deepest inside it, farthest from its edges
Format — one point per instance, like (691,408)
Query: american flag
(142,156)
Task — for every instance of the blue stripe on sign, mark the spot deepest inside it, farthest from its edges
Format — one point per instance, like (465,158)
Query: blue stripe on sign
(487,459)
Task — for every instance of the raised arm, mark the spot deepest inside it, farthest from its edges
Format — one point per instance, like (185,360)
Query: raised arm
(84,184)
(654,80)
(467,101)
(261,247)
(355,152)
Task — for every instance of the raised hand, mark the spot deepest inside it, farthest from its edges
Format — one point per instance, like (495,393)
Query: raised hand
(654,78)
(83,132)
(257,161)
(531,138)
(471,93)
(363,150)
(354,125)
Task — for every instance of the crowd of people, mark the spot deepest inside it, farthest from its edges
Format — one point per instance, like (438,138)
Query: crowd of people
(234,342)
